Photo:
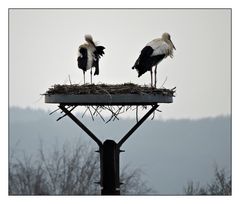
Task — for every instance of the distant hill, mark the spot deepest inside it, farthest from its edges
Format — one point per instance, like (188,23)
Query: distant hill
(170,152)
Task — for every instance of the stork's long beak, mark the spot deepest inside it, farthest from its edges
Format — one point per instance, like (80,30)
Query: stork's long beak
(173,46)
(172,43)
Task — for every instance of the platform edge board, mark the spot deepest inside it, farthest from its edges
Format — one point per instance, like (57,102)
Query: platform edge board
(105,99)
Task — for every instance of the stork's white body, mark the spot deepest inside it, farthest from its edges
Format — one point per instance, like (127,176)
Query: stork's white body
(159,47)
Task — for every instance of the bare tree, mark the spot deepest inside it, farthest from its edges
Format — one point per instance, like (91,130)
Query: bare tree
(69,171)
(132,182)
(221,185)
(26,178)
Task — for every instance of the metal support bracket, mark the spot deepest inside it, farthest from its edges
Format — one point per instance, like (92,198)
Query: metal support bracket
(130,132)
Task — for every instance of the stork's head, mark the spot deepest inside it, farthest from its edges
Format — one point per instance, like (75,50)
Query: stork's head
(166,37)
(89,39)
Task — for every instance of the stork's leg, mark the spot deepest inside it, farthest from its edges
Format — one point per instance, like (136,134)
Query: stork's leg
(84,77)
(151,77)
(155,80)
(91,75)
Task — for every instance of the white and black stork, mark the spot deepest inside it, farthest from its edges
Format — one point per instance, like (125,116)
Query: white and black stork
(153,53)
(88,56)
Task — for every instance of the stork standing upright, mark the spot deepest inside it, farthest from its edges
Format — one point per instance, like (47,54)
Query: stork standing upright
(88,56)
(153,53)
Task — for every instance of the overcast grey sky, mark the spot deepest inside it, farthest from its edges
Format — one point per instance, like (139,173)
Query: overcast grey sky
(44,43)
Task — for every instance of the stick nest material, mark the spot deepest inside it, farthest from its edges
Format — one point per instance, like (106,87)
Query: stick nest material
(126,88)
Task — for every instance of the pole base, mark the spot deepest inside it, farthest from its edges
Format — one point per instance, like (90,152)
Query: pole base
(110,192)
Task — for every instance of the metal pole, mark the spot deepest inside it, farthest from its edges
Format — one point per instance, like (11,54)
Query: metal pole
(110,168)
(130,132)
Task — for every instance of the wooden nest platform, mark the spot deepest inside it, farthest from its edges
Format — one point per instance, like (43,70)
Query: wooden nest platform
(107,94)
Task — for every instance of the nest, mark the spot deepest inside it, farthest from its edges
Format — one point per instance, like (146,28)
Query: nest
(110,89)
(126,88)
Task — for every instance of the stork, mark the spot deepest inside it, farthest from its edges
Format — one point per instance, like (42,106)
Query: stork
(88,56)
(153,53)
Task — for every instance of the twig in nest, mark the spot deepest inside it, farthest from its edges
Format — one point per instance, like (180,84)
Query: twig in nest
(105,92)
(88,109)
(118,112)
(164,82)
(66,114)
(137,113)
(121,109)
(115,111)
(69,80)
(113,114)
(109,120)
(54,111)
(95,109)
(144,107)
(40,98)
(153,115)
(90,113)
(133,108)
(128,108)
(98,112)
(84,112)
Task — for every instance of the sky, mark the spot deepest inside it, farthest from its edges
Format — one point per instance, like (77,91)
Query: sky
(43,46)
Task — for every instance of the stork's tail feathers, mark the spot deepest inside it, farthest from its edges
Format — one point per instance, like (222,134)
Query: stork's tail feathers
(99,51)
(136,64)
(139,67)
(96,71)
(140,73)
(139,70)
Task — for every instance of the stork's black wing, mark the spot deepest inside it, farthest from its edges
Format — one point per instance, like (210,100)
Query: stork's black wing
(82,59)
(143,64)
(98,53)
(146,61)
